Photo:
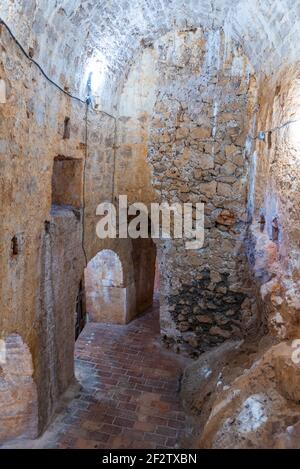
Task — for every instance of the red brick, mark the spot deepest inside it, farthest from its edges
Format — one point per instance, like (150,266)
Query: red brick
(111,429)
(122,422)
(167,431)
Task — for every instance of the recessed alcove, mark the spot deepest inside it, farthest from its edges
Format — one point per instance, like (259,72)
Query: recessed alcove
(67,128)
(67,181)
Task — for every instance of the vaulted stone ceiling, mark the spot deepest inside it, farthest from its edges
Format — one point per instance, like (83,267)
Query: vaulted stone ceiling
(70,37)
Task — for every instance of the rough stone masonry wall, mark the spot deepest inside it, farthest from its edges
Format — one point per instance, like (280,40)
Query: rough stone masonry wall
(31,136)
(245,395)
(196,148)
(204,111)
(274,243)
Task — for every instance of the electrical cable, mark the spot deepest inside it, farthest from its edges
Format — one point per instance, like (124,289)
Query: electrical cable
(70,95)
(67,93)
(114,162)
(2,22)
(87,102)
(275,129)
(83,185)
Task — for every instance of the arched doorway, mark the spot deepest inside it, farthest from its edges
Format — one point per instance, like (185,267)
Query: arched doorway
(117,290)
(144,265)
(108,298)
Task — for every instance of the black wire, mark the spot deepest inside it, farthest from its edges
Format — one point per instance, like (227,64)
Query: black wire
(114,162)
(2,22)
(83,185)
(87,102)
(70,95)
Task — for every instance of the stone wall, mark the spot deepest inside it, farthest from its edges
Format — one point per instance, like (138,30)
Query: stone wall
(274,242)
(245,394)
(135,108)
(18,396)
(202,117)
(42,259)
(185,113)
(33,280)
(61,265)
(67,181)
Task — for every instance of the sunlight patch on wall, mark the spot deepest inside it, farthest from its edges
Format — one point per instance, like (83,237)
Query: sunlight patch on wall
(94,77)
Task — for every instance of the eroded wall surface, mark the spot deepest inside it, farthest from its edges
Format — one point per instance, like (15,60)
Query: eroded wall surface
(61,272)
(274,243)
(245,395)
(186,112)
(186,109)
(31,136)
(71,38)
(18,394)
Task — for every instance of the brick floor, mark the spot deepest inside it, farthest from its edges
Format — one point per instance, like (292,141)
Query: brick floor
(129,396)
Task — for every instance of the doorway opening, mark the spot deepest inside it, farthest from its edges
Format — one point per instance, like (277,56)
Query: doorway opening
(144,265)
(119,287)
(108,298)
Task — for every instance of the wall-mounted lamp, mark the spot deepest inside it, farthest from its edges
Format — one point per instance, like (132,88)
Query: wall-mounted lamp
(2,92)
(89,88)
(94,78)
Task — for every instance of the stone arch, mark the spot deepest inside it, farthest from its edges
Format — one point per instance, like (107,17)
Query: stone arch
(108,296)
(111,273)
